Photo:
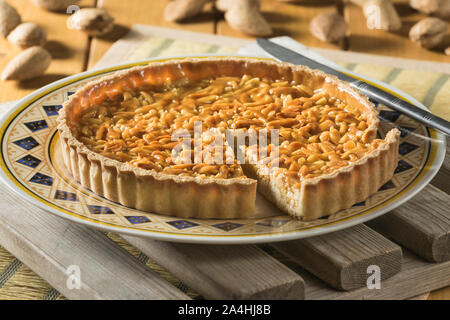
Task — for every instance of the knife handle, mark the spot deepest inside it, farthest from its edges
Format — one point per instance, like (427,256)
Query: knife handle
(402,106)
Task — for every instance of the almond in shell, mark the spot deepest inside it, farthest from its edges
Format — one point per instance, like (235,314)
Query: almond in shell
(9,18)
(429,32)
(28,34)
(93,21)
(328,26)
(30,63)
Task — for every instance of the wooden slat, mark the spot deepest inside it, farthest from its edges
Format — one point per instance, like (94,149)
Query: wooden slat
(224,272)
(421,224)
(417,277)
(341,258)
(442,178)
(388,43)
(67,47)
(48,245)
(128,13)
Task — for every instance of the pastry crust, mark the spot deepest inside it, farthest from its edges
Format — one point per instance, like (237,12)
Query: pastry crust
(330,193)
(191,196)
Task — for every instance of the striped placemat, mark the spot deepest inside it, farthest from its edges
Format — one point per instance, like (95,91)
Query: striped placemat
(17,281)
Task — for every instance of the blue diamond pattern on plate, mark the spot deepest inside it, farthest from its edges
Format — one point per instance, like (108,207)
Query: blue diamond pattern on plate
(404,131)
(36,125)
(29,161)
(387,185)
(182,224)
(362,203)
(70,93)
(42,179)
(64,195)
(402,166)
(100,210)
(391,116)
(274,223)
(227,226)
(406,147)
(52,110)
(27,143)
(137,219)
(374,102)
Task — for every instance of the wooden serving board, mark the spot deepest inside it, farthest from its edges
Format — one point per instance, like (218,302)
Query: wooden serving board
(410,246)
(332,266)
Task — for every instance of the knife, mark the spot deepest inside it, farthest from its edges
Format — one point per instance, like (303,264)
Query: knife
(281,53)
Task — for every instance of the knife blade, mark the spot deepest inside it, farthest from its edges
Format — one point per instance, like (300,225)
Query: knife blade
(281,53)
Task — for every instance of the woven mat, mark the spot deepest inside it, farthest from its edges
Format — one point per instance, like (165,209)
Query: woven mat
(17,281)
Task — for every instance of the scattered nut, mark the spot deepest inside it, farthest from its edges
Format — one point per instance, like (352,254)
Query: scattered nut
(381,15)
(28,64)
(328,26)
(54,5)
(9,18)
(243,15)
(93,21)
(447,51)
(429,32)
(28,34)
(438,8)
(224,5)
(179,10)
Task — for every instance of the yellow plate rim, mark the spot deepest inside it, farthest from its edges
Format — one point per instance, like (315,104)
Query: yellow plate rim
(431,167)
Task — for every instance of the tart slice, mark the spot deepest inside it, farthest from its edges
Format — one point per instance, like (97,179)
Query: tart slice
(155,138)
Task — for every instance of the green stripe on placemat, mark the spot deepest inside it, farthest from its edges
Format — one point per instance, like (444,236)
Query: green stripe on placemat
(166,44)
(9,271)
(392,75)
(431,88)
(351,66)
(52,294)
(213,49)
(19,282)
(143,258)
(434,89)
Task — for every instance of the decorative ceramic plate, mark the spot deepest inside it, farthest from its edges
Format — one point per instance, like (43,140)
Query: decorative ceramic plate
(31,165)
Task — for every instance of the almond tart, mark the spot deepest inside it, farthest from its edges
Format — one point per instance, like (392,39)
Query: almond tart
(321,156)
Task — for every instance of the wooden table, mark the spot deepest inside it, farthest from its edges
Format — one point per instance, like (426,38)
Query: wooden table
(74,52)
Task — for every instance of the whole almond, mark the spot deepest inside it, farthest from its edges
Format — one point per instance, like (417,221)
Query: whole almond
(246,17)
(328,26)
(54,5)
(9,18)
(429,32)
(381,15)
(28,34)
(224,5)
(179,10)
(93,21)
(438,8)
(30,63)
